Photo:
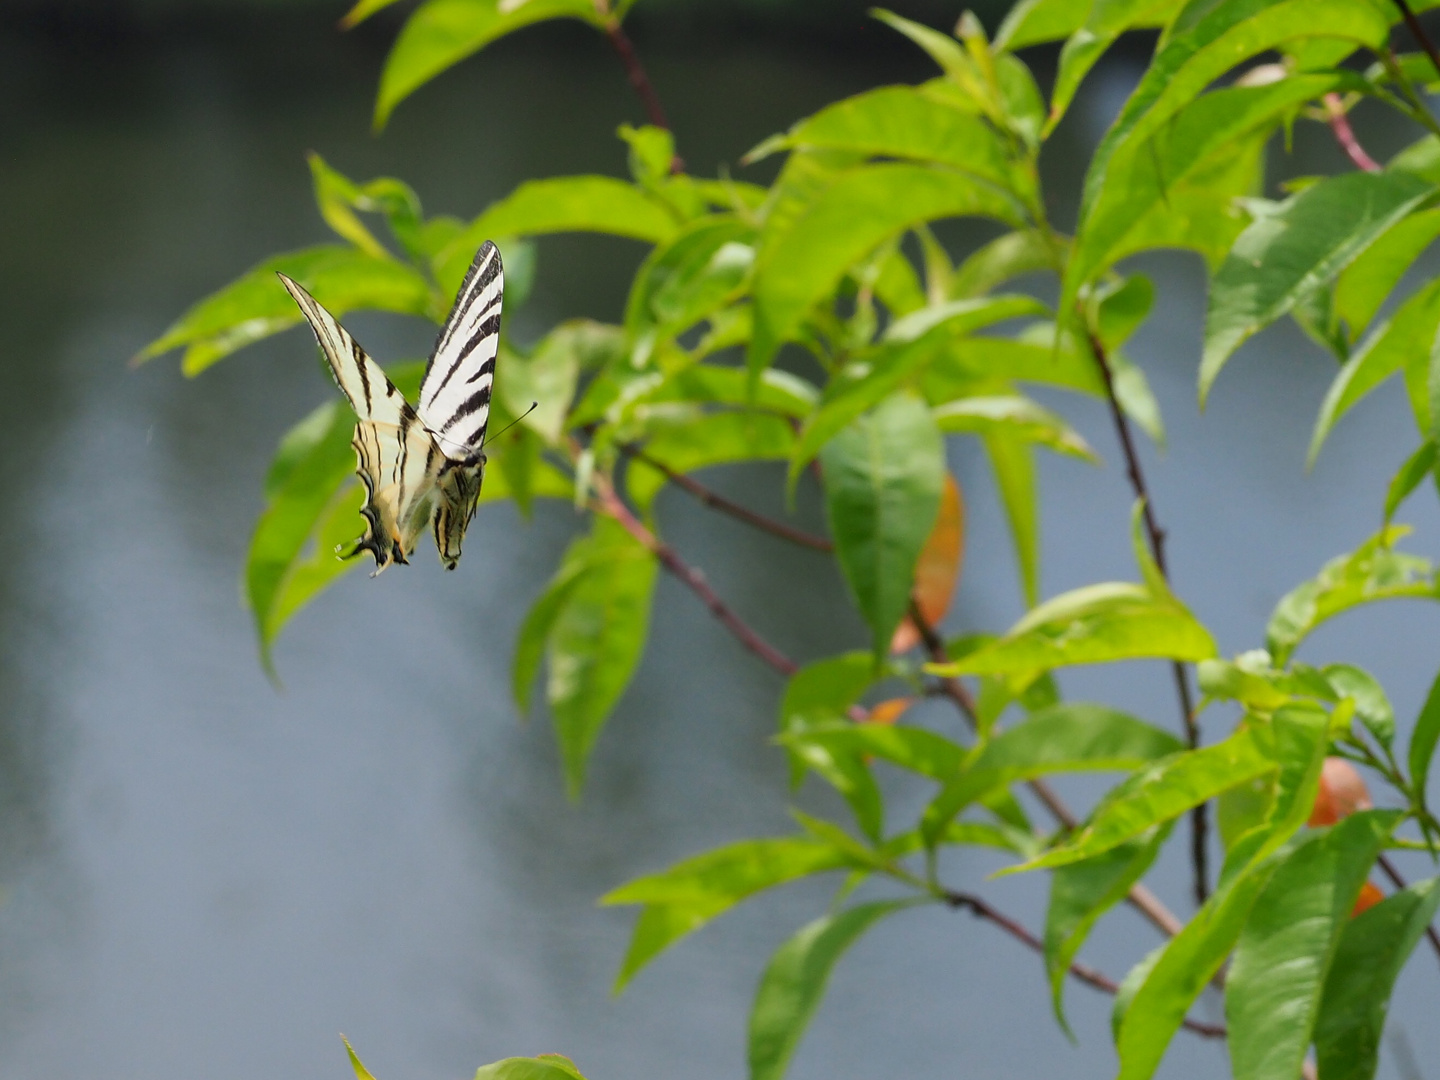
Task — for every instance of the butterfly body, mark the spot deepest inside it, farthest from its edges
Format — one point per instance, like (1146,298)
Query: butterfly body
(422,467)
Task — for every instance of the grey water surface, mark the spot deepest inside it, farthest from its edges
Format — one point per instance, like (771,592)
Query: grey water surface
(206,875)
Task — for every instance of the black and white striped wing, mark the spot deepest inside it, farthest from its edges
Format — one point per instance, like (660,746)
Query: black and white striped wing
(396,458)
(455,393)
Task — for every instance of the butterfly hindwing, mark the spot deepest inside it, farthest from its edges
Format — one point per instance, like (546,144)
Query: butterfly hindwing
(455,393)
(397,459)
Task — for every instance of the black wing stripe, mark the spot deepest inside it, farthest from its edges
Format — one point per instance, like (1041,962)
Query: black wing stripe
(463,364)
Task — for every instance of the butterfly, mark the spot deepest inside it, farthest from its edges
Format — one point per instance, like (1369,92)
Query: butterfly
(423,466)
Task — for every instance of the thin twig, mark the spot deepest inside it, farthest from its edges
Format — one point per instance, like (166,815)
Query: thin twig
(1345,134)
(725,506)
(1083,972)
(1199,824)
(640,81)
(611,504)
(1399,882)
(1139,897)
(1419,31)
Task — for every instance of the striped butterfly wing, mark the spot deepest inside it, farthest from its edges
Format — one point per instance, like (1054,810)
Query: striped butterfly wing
(397,459)
(455,393)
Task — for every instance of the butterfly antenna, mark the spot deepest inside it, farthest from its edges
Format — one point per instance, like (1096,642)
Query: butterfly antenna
(491,438)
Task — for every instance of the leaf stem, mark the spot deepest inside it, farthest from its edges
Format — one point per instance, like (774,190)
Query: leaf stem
(1139,897)
(1199,822)
(1393,874)
(718,502)
(1083,972)
(1345,134)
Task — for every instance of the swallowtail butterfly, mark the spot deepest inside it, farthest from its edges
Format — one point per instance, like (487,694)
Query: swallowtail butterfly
(420,466)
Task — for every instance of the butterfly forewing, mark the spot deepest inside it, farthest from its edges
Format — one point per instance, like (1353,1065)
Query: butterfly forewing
(397,459)
(455,393)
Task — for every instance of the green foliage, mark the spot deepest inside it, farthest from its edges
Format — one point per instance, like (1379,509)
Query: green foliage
(819,322)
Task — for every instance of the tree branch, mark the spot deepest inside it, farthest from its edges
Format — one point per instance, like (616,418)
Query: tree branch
(1139,897)
(1345,134)
(1086,974)
(611,505)
(725,506)
(1199,824)
(1399,882)
(1419,31)
(640,81)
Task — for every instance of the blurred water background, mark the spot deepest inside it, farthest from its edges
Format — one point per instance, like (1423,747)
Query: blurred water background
(205,875)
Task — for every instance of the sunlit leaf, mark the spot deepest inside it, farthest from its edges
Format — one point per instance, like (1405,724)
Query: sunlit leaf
(685,897)
(911,748)
(596,639)
(1107,20)
(544,1067)
(848,219)
(1015,417)
(1372,707)
(1007,257)
(794,982)
(1080,894)
(1408,477)
(1273,989)
(1402,341)
(441,33)
(1373,947)
(572,204)
(1373,572)
(1060,738)
(1296,246)
(883,481)
(256,305)
(1365,284)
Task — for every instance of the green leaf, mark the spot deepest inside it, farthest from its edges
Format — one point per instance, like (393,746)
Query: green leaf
(912,748)
(1169,130)
(1107,20)
(1371,705)
(1161,791)
(779,391)
(1273,990)
(572,204)
(1091,625)
(883,479)
(795,980)
(1367,282)
(540,620)
(256,305)
(307,481)
(1016,417)
(1171,978)
(1006,257)
(1402,341)
(713,439)
(546,378)
(685,897)
(1080,894)
(1374,571)
(689,277)
(544,1067)
(336,196)
(361,1073)
(798,267)
(596,640)
(1301,244)
(441,33)
(1013,464)
(1373,948)
(1417,466)
(907,123)
(1060,738)
(1422,742)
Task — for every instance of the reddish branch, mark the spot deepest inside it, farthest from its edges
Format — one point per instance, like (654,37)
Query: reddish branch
(1399,882)
(1083,972)
(1345,134)
(640,81)
(1139,897)
(1419,31)
(1199,824)
(725,506)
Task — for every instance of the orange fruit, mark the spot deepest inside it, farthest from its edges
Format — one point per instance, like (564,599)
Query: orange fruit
(1341,793)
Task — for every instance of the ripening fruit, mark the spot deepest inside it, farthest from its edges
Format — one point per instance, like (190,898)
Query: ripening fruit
(938,568)
(1369,896)
(1341,793)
